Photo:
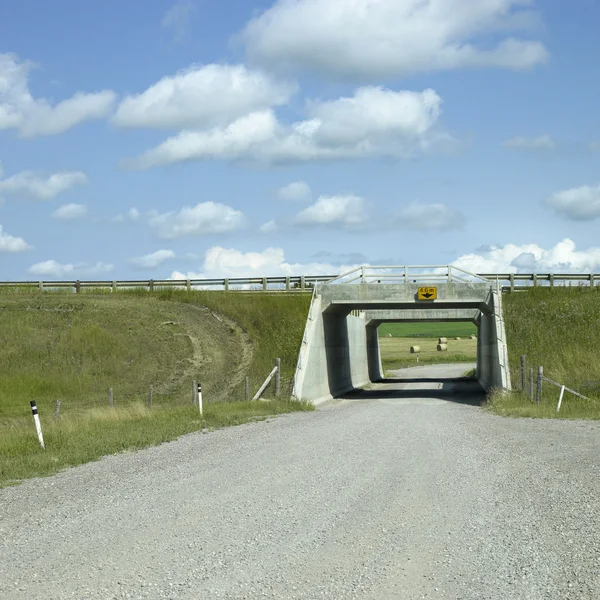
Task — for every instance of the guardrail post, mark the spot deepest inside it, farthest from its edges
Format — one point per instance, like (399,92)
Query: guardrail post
(540,381)
(41,286)
(264,284)
(287,283)
(77,286)
(512,282)
(551,280)
(592,282)
(151,285)
(302,283)
(535,280)
(114,287)
(226,284)
(188,285)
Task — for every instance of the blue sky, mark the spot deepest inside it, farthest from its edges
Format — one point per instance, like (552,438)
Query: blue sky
(228,138)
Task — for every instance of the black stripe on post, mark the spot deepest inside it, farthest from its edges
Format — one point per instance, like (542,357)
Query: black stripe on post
(33,407)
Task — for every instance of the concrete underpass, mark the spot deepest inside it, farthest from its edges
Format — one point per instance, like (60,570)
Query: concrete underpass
(340,350)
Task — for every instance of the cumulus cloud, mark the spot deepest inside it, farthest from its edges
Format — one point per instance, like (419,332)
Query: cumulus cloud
(70,211)
(268,227)
(202,96)
(577,204)
(337,211)
(37,116)
(206,218)
(542,142)
(430,217)
(12,244)
(373,122)
(132,215)
(33,185)
(52,268)
(153,260)
(177,20)
(531,258)
(229,262)
(367,39)
(295,191)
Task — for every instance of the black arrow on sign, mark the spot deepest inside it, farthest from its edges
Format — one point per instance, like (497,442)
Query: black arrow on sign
(427,295)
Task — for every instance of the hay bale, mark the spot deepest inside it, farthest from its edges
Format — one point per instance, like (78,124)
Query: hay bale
(442,347)
(472,337)
(389,335)
(415,349)
(443,341)
(457,338)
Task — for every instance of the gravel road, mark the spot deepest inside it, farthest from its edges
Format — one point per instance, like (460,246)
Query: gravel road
(407,490)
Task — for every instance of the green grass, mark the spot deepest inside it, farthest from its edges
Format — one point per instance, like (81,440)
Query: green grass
(395,352)
(75,346)
(558,329)
(88,436)
(429,330)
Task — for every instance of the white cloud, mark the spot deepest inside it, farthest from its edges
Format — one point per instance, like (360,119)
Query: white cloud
(206,218)
(373,122)
(70,211)
(542,142)
(430,217)
(153,260)
(52,268)
(295,191)
(202,96)
(33,185)
(577,204)
(342,211)
(133,215)
(9,243)
(33,117)
(375,39)
(563,257)
(177,19)
(268,227)
(229,262)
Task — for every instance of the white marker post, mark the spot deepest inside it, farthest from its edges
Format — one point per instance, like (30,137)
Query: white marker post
(36,420)
(562,393)
(200,398)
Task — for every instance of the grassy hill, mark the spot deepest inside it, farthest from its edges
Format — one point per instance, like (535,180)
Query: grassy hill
(75,347)
(558,329)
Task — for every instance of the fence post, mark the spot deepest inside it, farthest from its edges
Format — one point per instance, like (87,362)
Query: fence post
(551,280)
(264,284)
(531,384)
(226,284)
(287,283)
(194,392)
(540,381)
(535,280)
(562,391)
(36,420)
(57,410)
(278,378)
(150,397)
(77,286)
(247,389)
(41,286)
(151,285)
(188,285)
(110,397)
(512,282)
(523,372)
(114,287)
(591,282)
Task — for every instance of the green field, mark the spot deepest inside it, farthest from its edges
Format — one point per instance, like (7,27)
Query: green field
(395,352)
(558,329)
(431,330)
(74,348)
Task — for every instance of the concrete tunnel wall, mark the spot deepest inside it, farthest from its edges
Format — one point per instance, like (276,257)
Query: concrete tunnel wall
(340,350)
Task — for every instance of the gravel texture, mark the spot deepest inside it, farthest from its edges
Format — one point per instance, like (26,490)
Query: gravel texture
(402,491)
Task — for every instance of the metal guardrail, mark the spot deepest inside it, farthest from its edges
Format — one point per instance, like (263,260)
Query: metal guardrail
(304,283)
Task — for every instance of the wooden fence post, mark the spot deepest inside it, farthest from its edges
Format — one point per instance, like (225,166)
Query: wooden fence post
(194,392)
(57,410)
(540,381)
(278,378)
(523,372)
(531,384)
(247,389)
(77,286)
(110,397)
(150,397)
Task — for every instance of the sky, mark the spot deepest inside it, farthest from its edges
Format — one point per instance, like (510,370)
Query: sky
(224,138)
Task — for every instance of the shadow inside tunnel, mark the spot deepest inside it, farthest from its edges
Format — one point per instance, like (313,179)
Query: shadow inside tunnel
(459,390)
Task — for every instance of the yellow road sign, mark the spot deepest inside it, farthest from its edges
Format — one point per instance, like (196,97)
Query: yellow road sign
(427,293)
